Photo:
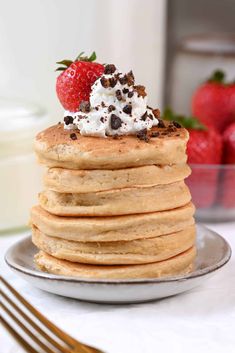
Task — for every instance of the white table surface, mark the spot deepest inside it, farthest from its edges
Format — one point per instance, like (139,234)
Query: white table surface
(199,321)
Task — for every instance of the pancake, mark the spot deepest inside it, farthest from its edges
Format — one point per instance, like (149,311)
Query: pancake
(180,264)
(116,202)
(139,251)
(55,148)
(130,227)
(79,181)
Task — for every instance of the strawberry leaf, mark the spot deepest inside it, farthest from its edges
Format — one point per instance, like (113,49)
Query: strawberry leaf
(218,76)
(79,56)
(187,122)
(91,58)
(65,62)
(61,68)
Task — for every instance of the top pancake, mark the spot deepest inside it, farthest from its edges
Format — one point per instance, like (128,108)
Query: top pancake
(55,148)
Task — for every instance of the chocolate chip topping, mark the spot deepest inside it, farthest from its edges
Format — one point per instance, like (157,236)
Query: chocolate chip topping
(176,124)
(102,104)
(142,135)
(73,136)
(144,116)
(156,113)
(130,78)
(127,109)
(85,107)
(161,124)
(116,137)
(102,119)
(130,94)
(140,90)
(109,69)
(111,108)
(125,90)
(112,82)
(116,122)
(123,80)
(119,95)
(68,120)
(105,82)
(155,134)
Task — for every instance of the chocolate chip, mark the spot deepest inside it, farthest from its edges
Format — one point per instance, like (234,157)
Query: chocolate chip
(102,119)
(59,122)
(73,136)
(171,129)
(144,116)
(130,78)
(109,69)
(123,79)
(140,90)
(119,95)
(150,116)
(155,134)
(111,108)
(161,124)
(68,120)
(125,90)
(130,94)
(116,122)
(104,82)
(102,104)
(85,107)
(156,113)
(142,135)
(112,82)
(115,137)
(127,109)
(176,124)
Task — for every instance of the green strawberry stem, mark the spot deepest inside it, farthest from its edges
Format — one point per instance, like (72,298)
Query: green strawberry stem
(187,122)
(217,76)
(66,63)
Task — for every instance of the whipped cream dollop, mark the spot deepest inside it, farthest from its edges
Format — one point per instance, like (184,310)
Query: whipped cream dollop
(117,107)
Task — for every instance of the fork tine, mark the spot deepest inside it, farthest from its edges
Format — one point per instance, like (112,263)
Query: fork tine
(54,329)
(34,325)
(17,337)
(26,330)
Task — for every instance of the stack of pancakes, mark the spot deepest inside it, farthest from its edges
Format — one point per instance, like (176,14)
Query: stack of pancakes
(114,207)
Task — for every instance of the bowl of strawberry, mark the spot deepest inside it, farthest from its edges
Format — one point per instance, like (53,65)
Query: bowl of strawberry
(211,149)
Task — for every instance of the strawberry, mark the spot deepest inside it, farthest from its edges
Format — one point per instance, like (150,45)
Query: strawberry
(213,102)
(204,147)
(227,198)
(73,85)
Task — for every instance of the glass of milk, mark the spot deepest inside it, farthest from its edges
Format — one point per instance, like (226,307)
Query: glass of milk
(20,177)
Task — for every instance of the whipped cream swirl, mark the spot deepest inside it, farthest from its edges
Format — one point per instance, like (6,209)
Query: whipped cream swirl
(117,107)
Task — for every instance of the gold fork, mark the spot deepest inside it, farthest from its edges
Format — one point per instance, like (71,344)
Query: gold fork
(40,335)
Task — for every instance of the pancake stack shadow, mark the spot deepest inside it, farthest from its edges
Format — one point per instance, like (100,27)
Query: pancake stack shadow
(130,222)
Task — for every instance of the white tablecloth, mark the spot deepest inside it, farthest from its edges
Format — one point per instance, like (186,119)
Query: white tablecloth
(202,320)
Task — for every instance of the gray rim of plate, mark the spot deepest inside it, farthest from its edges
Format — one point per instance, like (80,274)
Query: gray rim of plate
(198,273)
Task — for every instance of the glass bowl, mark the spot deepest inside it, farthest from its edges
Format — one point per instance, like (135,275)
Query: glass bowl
(213,191)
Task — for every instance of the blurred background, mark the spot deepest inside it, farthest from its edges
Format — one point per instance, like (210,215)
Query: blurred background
(171,46)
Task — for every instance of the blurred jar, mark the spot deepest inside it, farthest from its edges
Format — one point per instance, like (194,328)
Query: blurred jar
(196,58)
(20,177)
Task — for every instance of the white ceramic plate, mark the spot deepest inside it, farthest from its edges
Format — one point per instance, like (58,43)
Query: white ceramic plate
(213,252)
